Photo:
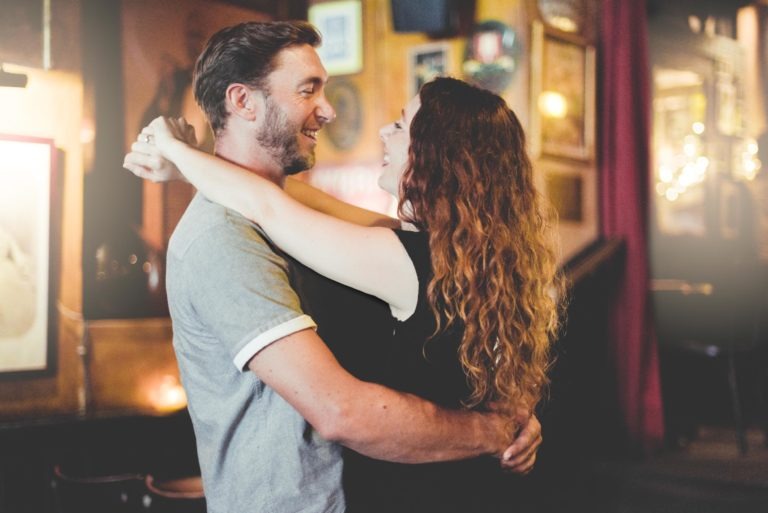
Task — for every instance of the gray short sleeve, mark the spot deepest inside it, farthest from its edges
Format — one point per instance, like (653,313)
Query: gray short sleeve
(230,295)
(238,288)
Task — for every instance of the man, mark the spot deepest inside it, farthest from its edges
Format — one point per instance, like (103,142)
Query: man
(266,437)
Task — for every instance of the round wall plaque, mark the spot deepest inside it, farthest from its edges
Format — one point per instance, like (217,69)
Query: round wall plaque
(490,60)
(344,132)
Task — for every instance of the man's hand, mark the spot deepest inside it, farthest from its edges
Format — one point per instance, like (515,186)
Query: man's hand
(521,455)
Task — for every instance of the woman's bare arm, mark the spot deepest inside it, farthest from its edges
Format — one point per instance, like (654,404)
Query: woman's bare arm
(321,201)
(370,259)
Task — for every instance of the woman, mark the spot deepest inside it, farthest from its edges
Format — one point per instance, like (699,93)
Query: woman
(474,290)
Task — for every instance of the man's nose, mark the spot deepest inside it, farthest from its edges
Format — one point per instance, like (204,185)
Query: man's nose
(325,110)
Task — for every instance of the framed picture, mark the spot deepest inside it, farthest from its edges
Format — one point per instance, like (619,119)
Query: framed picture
(426,62)
(341,25)
(571,16)
(563,95)
(565,192)
(571,188)
(28,202)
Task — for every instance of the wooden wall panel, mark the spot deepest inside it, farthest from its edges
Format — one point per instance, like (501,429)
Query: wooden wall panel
(131,367)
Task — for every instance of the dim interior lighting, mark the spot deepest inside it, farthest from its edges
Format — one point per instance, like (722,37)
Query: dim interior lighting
(694,23)
(553,104)
(487,47)
(87,132)
(747,165)
(166,394)
(682,169)
(8,79)
(563,23)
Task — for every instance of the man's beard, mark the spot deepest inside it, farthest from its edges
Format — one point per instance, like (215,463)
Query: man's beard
(280,139)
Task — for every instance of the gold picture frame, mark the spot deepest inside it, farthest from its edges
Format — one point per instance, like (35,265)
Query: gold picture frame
(562,95)
(425,63)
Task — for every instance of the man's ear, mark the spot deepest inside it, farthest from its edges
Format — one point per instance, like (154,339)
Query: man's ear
(243,102)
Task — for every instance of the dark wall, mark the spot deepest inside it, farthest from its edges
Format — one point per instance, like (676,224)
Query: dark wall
(581,421)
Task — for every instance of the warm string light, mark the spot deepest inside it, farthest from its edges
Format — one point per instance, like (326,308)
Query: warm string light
(679,171)
(747,165)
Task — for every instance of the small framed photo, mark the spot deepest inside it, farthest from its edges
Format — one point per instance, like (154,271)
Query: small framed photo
(426,62)
(341,24)
(563,95)
(28,202)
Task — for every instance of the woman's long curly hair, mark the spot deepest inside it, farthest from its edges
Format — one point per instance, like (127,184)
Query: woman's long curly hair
(469,184)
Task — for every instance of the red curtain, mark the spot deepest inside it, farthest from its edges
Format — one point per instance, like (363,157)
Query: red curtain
(624,101)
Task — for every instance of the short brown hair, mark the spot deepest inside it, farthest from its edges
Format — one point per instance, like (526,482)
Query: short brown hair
(244,53)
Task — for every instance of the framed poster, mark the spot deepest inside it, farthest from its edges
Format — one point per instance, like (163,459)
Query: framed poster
(426,62)
(28,201)
(341,25)
(563,95)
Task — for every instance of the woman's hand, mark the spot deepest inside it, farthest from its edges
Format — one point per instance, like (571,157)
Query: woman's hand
(163,132)
(147,158)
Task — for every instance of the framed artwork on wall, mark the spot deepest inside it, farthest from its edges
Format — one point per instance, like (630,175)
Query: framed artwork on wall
(341,25)
(571,189)
(565,192)
(562,95)
(425,63)
(28,235)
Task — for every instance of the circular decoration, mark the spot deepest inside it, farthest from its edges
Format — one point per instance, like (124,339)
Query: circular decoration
(344,132)
(490,60)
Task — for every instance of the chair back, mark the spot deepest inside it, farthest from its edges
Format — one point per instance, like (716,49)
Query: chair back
(183,495)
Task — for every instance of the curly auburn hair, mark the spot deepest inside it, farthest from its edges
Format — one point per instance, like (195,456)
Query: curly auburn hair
(469,184)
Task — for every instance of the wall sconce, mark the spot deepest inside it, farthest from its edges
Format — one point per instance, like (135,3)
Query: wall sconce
(553,104)
(8,79)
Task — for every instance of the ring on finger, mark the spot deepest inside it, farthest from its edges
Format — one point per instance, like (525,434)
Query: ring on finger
(148,138)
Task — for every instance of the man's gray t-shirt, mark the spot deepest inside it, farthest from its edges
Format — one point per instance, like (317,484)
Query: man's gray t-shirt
(229,295)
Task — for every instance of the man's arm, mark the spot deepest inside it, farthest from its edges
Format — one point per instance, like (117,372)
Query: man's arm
(369,418)
(316,199)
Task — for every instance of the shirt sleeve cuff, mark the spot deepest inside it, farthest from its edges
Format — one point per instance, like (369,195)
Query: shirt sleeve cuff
(272,335)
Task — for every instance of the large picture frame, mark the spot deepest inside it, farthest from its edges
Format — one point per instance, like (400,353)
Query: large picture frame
(341,24)
(28,235)
(562,94)
(425,63)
